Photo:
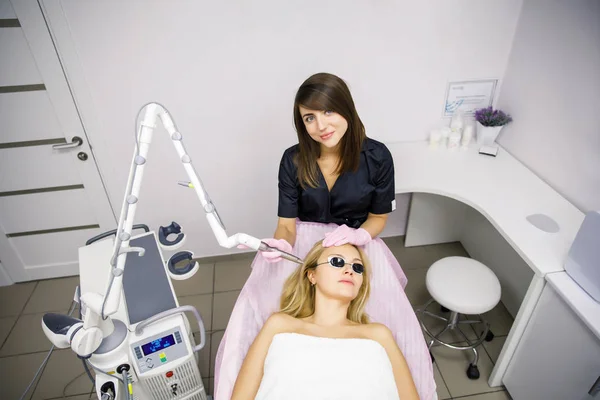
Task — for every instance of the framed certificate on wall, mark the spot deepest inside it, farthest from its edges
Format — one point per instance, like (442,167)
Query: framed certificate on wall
(468,96)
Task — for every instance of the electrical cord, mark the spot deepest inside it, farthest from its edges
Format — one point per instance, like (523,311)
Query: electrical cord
(73,305)
(96,370)
(64,392)
(87,370)
(37,373)
(87,365)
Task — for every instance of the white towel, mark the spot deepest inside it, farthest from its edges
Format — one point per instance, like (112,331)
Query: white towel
(307,367)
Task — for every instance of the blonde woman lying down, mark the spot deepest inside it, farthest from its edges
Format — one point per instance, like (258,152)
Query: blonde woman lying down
(321,344)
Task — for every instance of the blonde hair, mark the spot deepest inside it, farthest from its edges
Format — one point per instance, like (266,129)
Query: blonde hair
(298,296)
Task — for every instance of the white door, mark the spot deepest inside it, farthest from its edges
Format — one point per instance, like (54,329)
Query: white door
(52,198)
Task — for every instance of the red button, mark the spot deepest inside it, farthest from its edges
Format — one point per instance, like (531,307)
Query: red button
(169,374)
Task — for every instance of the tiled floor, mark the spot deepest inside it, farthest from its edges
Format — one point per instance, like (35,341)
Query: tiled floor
(213,291)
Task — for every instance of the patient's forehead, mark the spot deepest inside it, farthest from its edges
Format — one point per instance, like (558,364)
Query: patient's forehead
(347,251)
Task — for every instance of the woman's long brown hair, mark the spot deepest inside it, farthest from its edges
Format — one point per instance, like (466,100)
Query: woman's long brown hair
(325,91)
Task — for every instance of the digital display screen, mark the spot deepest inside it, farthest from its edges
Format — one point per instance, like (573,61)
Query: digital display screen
(158,344)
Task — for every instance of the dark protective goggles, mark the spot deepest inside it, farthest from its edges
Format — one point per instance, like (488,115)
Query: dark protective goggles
(339,262)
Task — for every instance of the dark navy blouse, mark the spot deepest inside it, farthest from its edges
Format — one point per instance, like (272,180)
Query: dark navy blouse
(353,196)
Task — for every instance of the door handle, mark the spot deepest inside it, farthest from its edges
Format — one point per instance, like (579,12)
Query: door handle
(75,142)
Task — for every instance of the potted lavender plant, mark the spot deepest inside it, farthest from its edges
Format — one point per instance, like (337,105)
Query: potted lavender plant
(489,124)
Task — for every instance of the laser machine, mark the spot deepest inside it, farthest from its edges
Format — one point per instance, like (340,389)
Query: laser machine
(132,332)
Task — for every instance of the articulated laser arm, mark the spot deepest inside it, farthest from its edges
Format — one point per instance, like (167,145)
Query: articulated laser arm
(153,112)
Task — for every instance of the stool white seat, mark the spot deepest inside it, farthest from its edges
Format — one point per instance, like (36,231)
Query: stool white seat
(463,285)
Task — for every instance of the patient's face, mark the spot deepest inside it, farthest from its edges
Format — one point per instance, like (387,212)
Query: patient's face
(338,282)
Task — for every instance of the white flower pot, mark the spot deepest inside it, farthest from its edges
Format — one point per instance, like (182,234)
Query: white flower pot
(486,135)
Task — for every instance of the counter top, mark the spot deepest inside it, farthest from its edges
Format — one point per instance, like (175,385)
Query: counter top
(504,190)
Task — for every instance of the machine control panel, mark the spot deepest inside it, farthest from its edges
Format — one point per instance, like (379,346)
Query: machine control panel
(158,350)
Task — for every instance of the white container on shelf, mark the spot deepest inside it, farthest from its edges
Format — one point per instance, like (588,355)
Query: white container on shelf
(454,140)
(467,136)
(435,137)
(457,123)
(445,131)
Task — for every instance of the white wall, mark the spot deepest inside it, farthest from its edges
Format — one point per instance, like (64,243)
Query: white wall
(228,72)
(552,89)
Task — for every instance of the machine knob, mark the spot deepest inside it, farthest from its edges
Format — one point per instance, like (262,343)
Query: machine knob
(86,341)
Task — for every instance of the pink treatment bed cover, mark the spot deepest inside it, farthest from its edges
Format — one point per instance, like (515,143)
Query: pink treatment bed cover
(387,304)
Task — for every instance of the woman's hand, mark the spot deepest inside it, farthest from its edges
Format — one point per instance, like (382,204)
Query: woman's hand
(344,234)
(275,256)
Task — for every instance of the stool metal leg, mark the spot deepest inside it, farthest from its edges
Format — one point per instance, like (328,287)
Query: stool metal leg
(472,370)
(434,316)
(476,358)
(453,322)
(470,321)
(434,338)
(463,334)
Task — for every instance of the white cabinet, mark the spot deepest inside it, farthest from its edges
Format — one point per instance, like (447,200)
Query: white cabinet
(558,357)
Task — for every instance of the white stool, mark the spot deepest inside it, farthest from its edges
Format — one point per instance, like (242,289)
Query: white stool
(462,286)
